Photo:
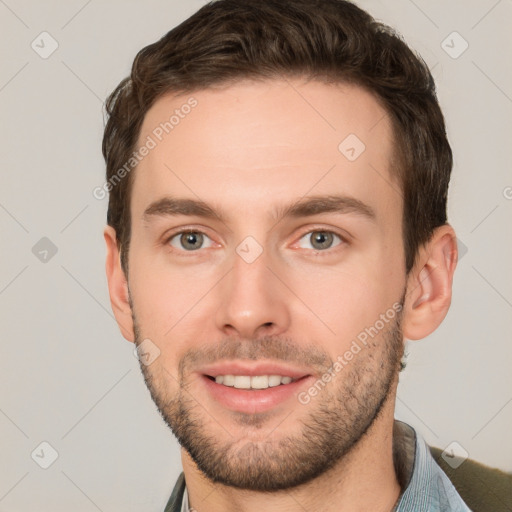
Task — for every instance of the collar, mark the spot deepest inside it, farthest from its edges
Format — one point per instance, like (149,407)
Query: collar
(427,488)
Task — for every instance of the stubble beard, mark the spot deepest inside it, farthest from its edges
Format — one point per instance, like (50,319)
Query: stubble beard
(338,418)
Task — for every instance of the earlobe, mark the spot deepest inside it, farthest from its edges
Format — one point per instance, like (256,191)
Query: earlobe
(118,285)
(429,285)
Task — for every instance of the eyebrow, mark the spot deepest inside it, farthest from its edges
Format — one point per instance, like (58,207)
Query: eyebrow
(304,207)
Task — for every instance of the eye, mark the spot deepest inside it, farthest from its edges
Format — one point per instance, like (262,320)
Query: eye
(190,240)
(319,240)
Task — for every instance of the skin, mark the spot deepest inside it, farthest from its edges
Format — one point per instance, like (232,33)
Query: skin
(248,150)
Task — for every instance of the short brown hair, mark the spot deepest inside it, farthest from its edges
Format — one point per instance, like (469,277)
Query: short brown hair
(329,40)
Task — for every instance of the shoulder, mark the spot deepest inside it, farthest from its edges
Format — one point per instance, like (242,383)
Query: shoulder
(482,488)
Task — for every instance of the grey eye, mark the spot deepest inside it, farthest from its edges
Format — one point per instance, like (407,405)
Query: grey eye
(319,240)
(190,240)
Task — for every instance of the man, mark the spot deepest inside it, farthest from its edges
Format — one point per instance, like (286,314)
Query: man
(278,175)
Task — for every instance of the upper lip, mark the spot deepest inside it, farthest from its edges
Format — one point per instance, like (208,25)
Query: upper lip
(252,368)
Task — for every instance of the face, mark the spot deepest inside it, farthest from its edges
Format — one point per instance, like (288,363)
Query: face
(266,272)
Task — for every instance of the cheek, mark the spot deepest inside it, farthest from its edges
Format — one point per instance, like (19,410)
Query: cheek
(166,296)
(341,301)
(345,300)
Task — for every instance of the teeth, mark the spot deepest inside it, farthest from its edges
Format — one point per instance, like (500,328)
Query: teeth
(274,380)
(254,382)
(259,382)
(242,381)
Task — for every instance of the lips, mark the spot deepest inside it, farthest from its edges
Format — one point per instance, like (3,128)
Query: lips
(252,387)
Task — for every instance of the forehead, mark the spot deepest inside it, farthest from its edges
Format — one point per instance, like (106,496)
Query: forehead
(253,142)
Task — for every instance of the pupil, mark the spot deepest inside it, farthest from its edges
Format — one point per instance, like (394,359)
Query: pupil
(323,240)
(191,240)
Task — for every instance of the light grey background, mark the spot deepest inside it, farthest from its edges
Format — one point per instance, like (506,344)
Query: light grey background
(67,376)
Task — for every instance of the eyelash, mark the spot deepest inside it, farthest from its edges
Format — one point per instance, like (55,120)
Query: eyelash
(343,240)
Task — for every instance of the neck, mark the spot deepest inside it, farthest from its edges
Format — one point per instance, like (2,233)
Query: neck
(364,479)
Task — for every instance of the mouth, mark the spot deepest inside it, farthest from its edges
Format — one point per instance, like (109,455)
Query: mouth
(253,388)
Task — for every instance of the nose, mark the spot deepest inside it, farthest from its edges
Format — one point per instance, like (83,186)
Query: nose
(252,300)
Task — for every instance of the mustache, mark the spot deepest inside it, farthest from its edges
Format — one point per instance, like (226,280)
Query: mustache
(266,347)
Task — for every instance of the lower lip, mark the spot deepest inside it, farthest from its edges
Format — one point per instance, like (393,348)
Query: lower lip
(253,401)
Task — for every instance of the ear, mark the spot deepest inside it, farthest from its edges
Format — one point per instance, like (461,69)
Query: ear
(429,284)
(118,285)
